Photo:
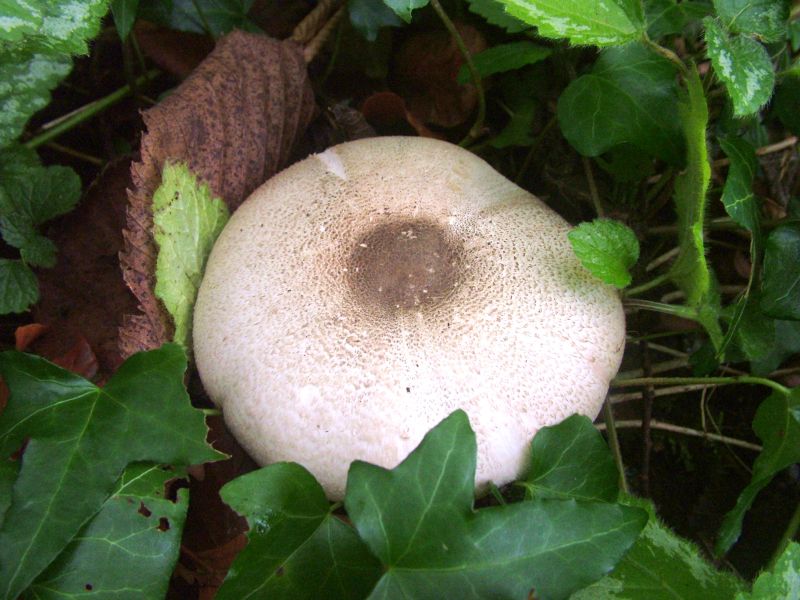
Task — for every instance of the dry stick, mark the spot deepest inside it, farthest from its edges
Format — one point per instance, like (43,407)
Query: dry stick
(313,22)
(642,381)
(664,391)
(661,367)
(313,47)
(715,437)
(587,169)
(647,415)
(613,442)
(660,260)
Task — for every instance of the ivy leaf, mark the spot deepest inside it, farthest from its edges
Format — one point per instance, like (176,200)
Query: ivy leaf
(297,548)
(781,581)
(737,195)
(690,270)
(186,222)
(763,18)
(494,13)
(404,8)
(505,57)
(571,460)
(418,520)
(661,564)
(212,18)
(80,438)
(368,16)
(777,424)
(124,13)
(780,292)
(607,248)
(129,548)
(743,65)
(630,96)
(18,286)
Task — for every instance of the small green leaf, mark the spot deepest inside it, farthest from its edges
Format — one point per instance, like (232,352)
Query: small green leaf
(630,96)
(495,14)
(763,18)
(517,131)
(18,286)
(79,440)
(368,16)
(737,195)
(780,283)
(743,65)
(129,548)
(607,248)
(777,426)
(124,13)
(505,57)
(598,23)
(404,8)
(418,519)
(661,565)
(781,581)
(690,271)
(297,548)
(186,223)
(571,460)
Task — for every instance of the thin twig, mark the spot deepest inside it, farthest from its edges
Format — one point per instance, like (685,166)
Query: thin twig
(613,442)
(315,20)
(661,367)
(647,415)
(660,260)
(587,169)
(94,160)
(658,392)
(715,437)
(667,381)
(313,47)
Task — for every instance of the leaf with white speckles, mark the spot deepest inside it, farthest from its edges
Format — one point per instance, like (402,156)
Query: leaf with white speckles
(743,65)
(782,581)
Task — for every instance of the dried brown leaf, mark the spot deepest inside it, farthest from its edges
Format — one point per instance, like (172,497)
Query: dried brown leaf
(234,121)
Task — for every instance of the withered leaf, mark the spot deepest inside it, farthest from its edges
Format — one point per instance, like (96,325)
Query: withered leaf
(234,122)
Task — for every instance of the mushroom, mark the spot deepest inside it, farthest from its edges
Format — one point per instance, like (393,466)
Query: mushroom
(363,294)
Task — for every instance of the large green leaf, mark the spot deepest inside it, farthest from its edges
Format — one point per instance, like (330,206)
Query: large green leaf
(598,23)
(661,565)
(630,96)
(780,291)
(186,222)
(212,17)
(79,439)
(667,17)
(607,248)
(781,582)
(690,270)
(418,520)
(777,424)
(297,548)
(129,548)
(764,18)
(743,65)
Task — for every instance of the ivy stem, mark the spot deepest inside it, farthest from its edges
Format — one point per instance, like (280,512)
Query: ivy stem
(613,442)
(87,112)
(788,535)
(477,128)
(598,205)
(647,285)
(685,312)
(668,54)
(641,381)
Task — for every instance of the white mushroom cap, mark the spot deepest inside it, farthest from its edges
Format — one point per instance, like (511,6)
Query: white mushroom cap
(360,296)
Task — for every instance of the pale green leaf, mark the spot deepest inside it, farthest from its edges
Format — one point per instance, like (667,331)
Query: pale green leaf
(18,286)
(781,582)
(369,16)
(186,223)
(607,248)
(19,18)
(743,65)
(404,8)
(598,23)
(505,57)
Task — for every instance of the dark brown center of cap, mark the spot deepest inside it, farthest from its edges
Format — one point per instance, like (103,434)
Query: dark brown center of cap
(406,264)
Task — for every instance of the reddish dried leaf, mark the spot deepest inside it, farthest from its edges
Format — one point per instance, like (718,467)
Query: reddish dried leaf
(176,52)
(234,121)
(79,359)
(385,109)
(25,335)
(427,66)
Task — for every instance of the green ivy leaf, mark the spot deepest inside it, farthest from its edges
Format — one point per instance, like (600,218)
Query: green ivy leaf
(661,565)
(124,13)
(517,131)
(129,548)
(786,344)
(781,581)
(630,96)
(668,17)
(763,18)
(214,18)
(571,460)
(404,8)
(607,248)
(80,438)
(505,57)
(780,293)
(186,222)
(18,286)
(690,270)
(743,65)
(418,520)
(777,424)
(296,547)
(598,23)
(495,14)
(737,195)
(368,16)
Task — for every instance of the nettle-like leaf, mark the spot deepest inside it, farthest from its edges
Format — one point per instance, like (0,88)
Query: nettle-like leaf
(368,17)
(629,96)
(129,548)
(79,439)
(780,293)
(505,57)
(213,18)
(781,581)
(419,521)
(690,271)
(763,18)
(742,64)
(661,564)
(37,54)
(777,424)
(297,548)
(495,14)
(607,248)
(187,220)
(599,23)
